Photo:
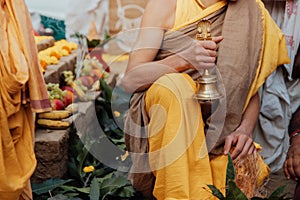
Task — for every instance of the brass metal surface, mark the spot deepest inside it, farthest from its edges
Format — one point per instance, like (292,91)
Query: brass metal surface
(207,82)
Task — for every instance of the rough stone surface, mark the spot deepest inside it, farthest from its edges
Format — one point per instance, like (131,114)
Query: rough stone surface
(44,44)
(51,150)
(51,146)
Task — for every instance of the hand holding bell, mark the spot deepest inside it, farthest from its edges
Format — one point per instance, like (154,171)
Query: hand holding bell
(207,90)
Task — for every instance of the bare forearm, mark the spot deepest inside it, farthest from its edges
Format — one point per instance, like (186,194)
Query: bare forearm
(250,116)
(142,76)
(241,138)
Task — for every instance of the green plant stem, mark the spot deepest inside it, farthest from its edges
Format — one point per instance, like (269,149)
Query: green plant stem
(87,180)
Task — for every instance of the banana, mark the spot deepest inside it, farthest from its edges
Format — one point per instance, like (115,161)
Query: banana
(53,124)
(54,114)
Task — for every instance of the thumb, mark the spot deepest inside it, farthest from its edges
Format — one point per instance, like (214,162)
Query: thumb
(217,39)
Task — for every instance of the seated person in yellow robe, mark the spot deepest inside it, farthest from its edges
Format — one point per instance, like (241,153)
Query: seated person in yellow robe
(23,93)
(176,153)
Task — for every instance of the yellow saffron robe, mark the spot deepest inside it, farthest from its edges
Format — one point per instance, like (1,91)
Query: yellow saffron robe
(22,93)
(178,149)
(178,154)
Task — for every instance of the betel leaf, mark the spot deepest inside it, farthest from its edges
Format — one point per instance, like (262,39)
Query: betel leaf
(216,192)
(48,185)
(234,193)
(230,173)
(95,190)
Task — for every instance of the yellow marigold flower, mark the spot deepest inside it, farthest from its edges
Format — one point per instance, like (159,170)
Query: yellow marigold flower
(88,169)
(117,113)
(53,60)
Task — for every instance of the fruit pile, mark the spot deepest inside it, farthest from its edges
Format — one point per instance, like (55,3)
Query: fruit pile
(88,77)
(51,55)
(60,98)
(62,107)
(54,119)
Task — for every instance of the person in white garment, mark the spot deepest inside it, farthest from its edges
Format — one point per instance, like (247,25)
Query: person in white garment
(280,97)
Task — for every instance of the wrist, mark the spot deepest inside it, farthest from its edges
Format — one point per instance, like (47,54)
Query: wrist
(294,134)
(245,131)
(181,64)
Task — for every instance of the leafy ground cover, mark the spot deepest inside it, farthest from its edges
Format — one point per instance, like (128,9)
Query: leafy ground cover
(87,177)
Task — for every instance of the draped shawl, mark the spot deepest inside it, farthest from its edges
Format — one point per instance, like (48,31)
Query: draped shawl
(22,91)
(252,48)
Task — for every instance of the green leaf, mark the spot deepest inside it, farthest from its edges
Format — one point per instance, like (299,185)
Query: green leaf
(72,194)
(85,190)
(112,185)
(48,185)
(99,172)
(58,197)
(95,191)
(127,191)
(106,90)
(66,188)
(230,173)
(107,176)
(93,43)
(234,193)
(216,192)
(72,169)
(277,193)
(81,158)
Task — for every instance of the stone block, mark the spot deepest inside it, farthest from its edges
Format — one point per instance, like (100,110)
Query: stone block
(53,72)
(51,150)
(44,44)
(52,146)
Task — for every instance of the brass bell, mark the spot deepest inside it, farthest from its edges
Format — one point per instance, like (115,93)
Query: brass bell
(207,90)
(207,87)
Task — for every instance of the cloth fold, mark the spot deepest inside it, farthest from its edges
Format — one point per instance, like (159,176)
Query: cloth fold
(22,92)
(246,27)
(280,94)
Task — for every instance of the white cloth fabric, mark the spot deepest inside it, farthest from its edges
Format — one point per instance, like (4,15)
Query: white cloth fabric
(55,8)
(280,96)
(77,14)
(81,13)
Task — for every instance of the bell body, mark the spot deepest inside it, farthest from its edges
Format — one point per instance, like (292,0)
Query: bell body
(207,88)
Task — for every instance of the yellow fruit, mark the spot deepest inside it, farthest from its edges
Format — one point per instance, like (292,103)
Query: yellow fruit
(55,114)
(53,124)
